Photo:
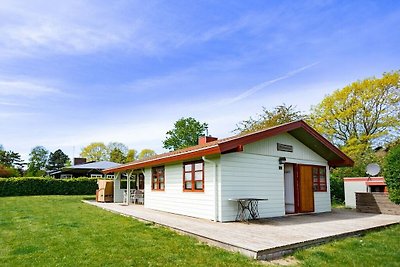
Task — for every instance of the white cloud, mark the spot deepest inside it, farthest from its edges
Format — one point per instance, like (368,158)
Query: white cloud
(23,88)
(167,81)
(13,115)
(263,85)
(84,27)
(73,27)
(11,104)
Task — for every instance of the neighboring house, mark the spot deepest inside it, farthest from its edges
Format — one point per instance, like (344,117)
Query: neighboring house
(89,169)
(361,184)
(288,164)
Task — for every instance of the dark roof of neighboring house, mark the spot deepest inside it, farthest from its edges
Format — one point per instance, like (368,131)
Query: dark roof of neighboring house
(99,165)
(298,129)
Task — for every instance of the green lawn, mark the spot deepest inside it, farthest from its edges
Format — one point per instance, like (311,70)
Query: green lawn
(379,248)
(63,231)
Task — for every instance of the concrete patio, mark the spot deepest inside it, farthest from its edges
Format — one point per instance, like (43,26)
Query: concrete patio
(265,238)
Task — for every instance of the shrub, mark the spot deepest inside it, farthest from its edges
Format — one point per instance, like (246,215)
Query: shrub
(27,186)
(392,173)
(337,189)
(8,172)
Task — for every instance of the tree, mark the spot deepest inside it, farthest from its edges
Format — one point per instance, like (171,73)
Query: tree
(131,156)
(269,118)
(361,113)
(117,156)
(10,159)
(146,153)
(392,173)
(355,118)
(57,160)
(116,145)
(10,163)
(186,133)
(37,161)
(117,152)
(96,151)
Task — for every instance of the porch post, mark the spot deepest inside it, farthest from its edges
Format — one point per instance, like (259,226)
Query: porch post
(117,182)
(128,186)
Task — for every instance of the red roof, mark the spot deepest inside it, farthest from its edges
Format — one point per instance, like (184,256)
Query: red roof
(299,129)
(367,180)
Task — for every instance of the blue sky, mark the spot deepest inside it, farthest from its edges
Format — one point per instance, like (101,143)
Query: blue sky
(84,71)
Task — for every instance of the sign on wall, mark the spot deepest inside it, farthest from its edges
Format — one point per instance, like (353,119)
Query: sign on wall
(283,147)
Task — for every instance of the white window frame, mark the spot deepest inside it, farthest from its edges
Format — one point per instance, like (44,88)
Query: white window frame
(96,176)
(65,176)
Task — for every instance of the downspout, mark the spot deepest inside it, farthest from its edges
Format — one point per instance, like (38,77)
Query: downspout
(215,187)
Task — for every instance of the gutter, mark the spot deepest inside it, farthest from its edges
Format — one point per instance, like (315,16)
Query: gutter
(215,187)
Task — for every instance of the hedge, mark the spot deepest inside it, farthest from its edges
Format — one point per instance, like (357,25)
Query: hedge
(392,173)
(28,186)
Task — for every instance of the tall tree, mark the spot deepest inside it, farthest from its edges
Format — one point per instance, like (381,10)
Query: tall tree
(10,159)
(146,153)
(269,118)
(96,151)
(131,156)
(37,161)
(116,145)
(57,160)
(361,113)
(185,133)
(356,117)
(11,164)
(117,156)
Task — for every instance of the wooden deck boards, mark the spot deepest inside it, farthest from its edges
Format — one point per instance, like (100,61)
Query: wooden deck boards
(265,238)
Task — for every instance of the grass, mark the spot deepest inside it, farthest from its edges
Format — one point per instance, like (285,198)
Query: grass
(63,231)
(337,204)
(379,248)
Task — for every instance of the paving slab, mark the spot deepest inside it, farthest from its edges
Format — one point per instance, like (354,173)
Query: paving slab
(265,238)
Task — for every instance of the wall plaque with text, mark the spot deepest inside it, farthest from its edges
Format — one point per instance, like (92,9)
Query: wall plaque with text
(283,147)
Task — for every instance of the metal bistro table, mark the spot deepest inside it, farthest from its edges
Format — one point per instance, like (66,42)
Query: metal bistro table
(247,204)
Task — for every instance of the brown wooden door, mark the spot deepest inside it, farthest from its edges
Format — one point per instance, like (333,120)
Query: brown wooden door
(306,194)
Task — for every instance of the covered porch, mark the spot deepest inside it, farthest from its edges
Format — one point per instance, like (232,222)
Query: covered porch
(129,187)
(266,238)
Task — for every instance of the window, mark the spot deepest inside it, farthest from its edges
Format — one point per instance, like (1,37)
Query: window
(62,176)
(158,178)
(193,176)
(110,176)
(319,179)
(96,176)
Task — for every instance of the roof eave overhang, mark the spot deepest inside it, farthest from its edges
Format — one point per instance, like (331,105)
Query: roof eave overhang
(168,159)
(247,139)
(344,160)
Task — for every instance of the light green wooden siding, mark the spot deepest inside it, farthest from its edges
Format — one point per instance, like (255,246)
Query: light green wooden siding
(246,175)
(255,173)
(268,147)
(174,200)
